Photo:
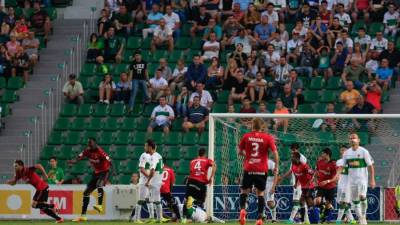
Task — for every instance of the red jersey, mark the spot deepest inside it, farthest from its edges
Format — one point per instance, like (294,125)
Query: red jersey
(254,146)
(326,171)
(29,175)
(104,162)
(199,169)
(168,179)
(303,174)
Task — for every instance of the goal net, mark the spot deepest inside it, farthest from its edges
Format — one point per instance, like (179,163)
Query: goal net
(380,134)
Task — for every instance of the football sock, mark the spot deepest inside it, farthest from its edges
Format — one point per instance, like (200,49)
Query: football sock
(348,213)
(294,210)
(51,213)
(342,208)
(306,219)
(85,204)
(243,199)
(100,194)
(261,207)
(357,208)
(42,205)
(150,207)
(273,212)
(138,210)
(176,210)
(159,210)
(364,207)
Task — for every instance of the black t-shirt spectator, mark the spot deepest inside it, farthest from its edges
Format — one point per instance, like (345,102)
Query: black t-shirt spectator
(138,70)
(307,18)
(226,5)
(38,19)
(393,57)
(288,101)
(112,45)
(21,61)
(367,108)
(107,23)
(236,56)
(196,115)
(240,87)
(202,20)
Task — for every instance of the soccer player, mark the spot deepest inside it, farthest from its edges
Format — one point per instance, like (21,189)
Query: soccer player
(154,180)
(254,146)
(359,161)
(269,196)
(39,200)
(168,181)
(144,170)
(303,187)
(343,190)
(196,187)
(101,164)
(325,174)
(198,215)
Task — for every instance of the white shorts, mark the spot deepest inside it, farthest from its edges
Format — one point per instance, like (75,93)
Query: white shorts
(155,195)
(143,192)
(269,197)
(297,193)
(343,194)
(357,190)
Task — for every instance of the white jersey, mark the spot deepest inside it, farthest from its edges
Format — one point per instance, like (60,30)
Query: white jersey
(198,215)
(144,162)
(156,163)
(270,175)
(357,161)
(343,178)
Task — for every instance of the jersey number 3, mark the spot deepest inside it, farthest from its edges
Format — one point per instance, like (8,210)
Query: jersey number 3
(254,151)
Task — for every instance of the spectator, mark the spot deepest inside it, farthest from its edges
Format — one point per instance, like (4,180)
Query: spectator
(122,21)
(211,47)
(349,96)
(153,20)
(239,55)
(263,31)
(138,11)
(284,35)
(379,43)
(196,73)
(344,18)
(104,22)
(357,55)
(289,98)
(200,21)
(106,89)
(231,28)
(21,64)
(139,75)
(243,4)
(329,123)
(123,89)
(338,60)
(363,107)
(102,67)
(393,55)
(325,13)
(180,7)
(271,57)
(384,74)
(196,117)
(212,27)
(55,174)
(135,179)
(205,96)
(373,95)
(307,61)
(94,48)
(178,75)
(246,106)
(173,21)
(307,15)
(281,76)
(157,86)
(294,47)
(162,36)
(257,87)
(215,75)
(250,69)
(361,9)
(372,65)
(273,17)
(333,32)
(182,101)
(238,12)
(166,71)
(73,91)
(294,81)
(281,122)
(161,117)
(363,39)
(40,21)
(31,46)
(12,45)
(251,17)
(170,97)
(355,73)
(21,29)
(239,89)
(391,20)
(243,38)
(300,29)
(5,62)
(113,46)
(345,40)
(323,62)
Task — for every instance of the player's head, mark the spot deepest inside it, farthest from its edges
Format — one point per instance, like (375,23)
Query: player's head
(53,162)
(295,157)
(202,152)
(135,178)
(150,146)
(92,143)
(354,140)
(326,154)
(294,147)
(18,165)
(257,124)
(343,148)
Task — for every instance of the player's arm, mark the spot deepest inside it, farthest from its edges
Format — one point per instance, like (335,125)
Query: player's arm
(13,181)
(276,157)
(152,171)
(371,168)
(81,156)
(42,170)
(213,171)
(285,175)
(172,177)
(337,175)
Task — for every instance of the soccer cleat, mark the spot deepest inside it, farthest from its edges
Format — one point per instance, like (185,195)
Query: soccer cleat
(274,221)
(189,202)
(338,222)
(259,222)
(138,221)
(353,222)
(242,218)
(184,220)
(61,220)
(80,219)
(363,221)
(290,221)
(98,208)
(165,220)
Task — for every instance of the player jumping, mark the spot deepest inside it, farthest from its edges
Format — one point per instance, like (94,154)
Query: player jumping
(196,187)
(254,146)
(101,164)
(41,196)
(325,174)
(269,196)
(359,161)
(168,181)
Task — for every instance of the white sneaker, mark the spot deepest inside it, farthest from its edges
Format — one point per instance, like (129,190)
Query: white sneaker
(363,220)
(107,102)
(101,100)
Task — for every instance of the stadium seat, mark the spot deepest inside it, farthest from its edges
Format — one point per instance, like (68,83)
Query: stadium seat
(190,138)
(190,152)
(138,138)
(183,43)
(203,140)
(223,97)
(77,124)
(105,138)
(334,83)
(375,27)
(88,70)
(72,138)
(305,108)
(137,110)
(157,136)
(219,108)
(111,124)
(319,107)
(5,109)
(134,43)
(124,179)
(173,152)
(79,168)
(317,83)
(55,138)
(94,124)
(326,138)
(68,110)
(120,68)
(86,135)
(118,110)
(130,166)
(48,152)
(177,124)
(311,96)
(127,124)
(61,124)
(15,83)
(66,153)
(196,43)
(9,96)
(120,153)
(122,138)
(175,56)
(100,110)
(173,138)
(356,26)
(3,83)
(328,96)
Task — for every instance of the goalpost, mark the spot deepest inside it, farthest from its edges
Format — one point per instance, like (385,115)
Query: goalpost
(312,132)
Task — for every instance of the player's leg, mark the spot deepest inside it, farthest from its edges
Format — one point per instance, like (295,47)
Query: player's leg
(296,203)
(355,198)
(308,203)
(143,193)
(192,190)
(270,200)
(245,188)
(342,204)
(40,202)
(90,187)
(329,196)
(101,181)
(172,205)
(318,202)
(362,188)
(260,182)
(155,198)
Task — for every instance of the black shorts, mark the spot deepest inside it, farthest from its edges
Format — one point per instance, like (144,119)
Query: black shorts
(307,193)
(41,196)
(327,194)
(167,197)
(98,180)
(197,190)
(257,180)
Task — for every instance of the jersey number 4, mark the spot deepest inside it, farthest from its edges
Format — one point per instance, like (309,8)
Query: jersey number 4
(197,166)
(255,147)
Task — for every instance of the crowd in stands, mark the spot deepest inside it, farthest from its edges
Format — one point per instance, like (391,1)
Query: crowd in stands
(261,52)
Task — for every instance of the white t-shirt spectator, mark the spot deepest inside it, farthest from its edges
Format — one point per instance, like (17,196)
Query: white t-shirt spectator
(113,86)
(280,46)
(344,19)
(278,4)
(293,44)
(372,65)
(344,2)
(171,20)
(364,41)
(209,54)
(178,72)
(271,60)
(391,20)
(158,83)
(282,73)
(379,45)
(348,43)
(161,113)
(205,98)
(272,18)
(162,33)
(245,41)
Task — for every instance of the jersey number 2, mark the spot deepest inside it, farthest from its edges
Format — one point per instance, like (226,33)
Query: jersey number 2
(254,151)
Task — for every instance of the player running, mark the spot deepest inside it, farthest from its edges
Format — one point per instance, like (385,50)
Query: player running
(196,187)
(168,181)
(269,196)
(101,164)
(343,190)
(359,161)
(325,174)
(254,146)
(41,196)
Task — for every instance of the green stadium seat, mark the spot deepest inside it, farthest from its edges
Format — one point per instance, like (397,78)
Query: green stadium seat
(120,153)
(146,44)
(66,153)
(356,26)
(364,138)
(175,56)
(305,108)
(79,168)
(203,140)
(88,69)
(180,179)
(326,138)
(122,138)
(219,108)
(127,56)
(311,96)
(317,83)
(138,138)
(157,55)
(319,107)
(183,43)
(15,83)
(284,153)
(157,136)
(72,138)
(191,152)
(173,153)
(9,96)
(61,124)
(136,111)
(95,124)
(183,167)
(130,167)
(328,96)
(136,151)
(51,12)
(3,83)
(334,83)
(55,138)
(177,124)
(223,97)
(118,110)
(77,124)
(173,138)
(11,3)
(105,138)
(186,29)
(196,43)
(87,135)
(124,179)
(190,138)
(111,124)
(121,68)
(134,43)
(95,82)
(142,123)
(5,109)
(375,27)
(100,110)
(48,152)
(127,124)
(68,110)
(84,110)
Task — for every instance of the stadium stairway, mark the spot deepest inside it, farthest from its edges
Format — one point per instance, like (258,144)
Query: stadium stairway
(33,94)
